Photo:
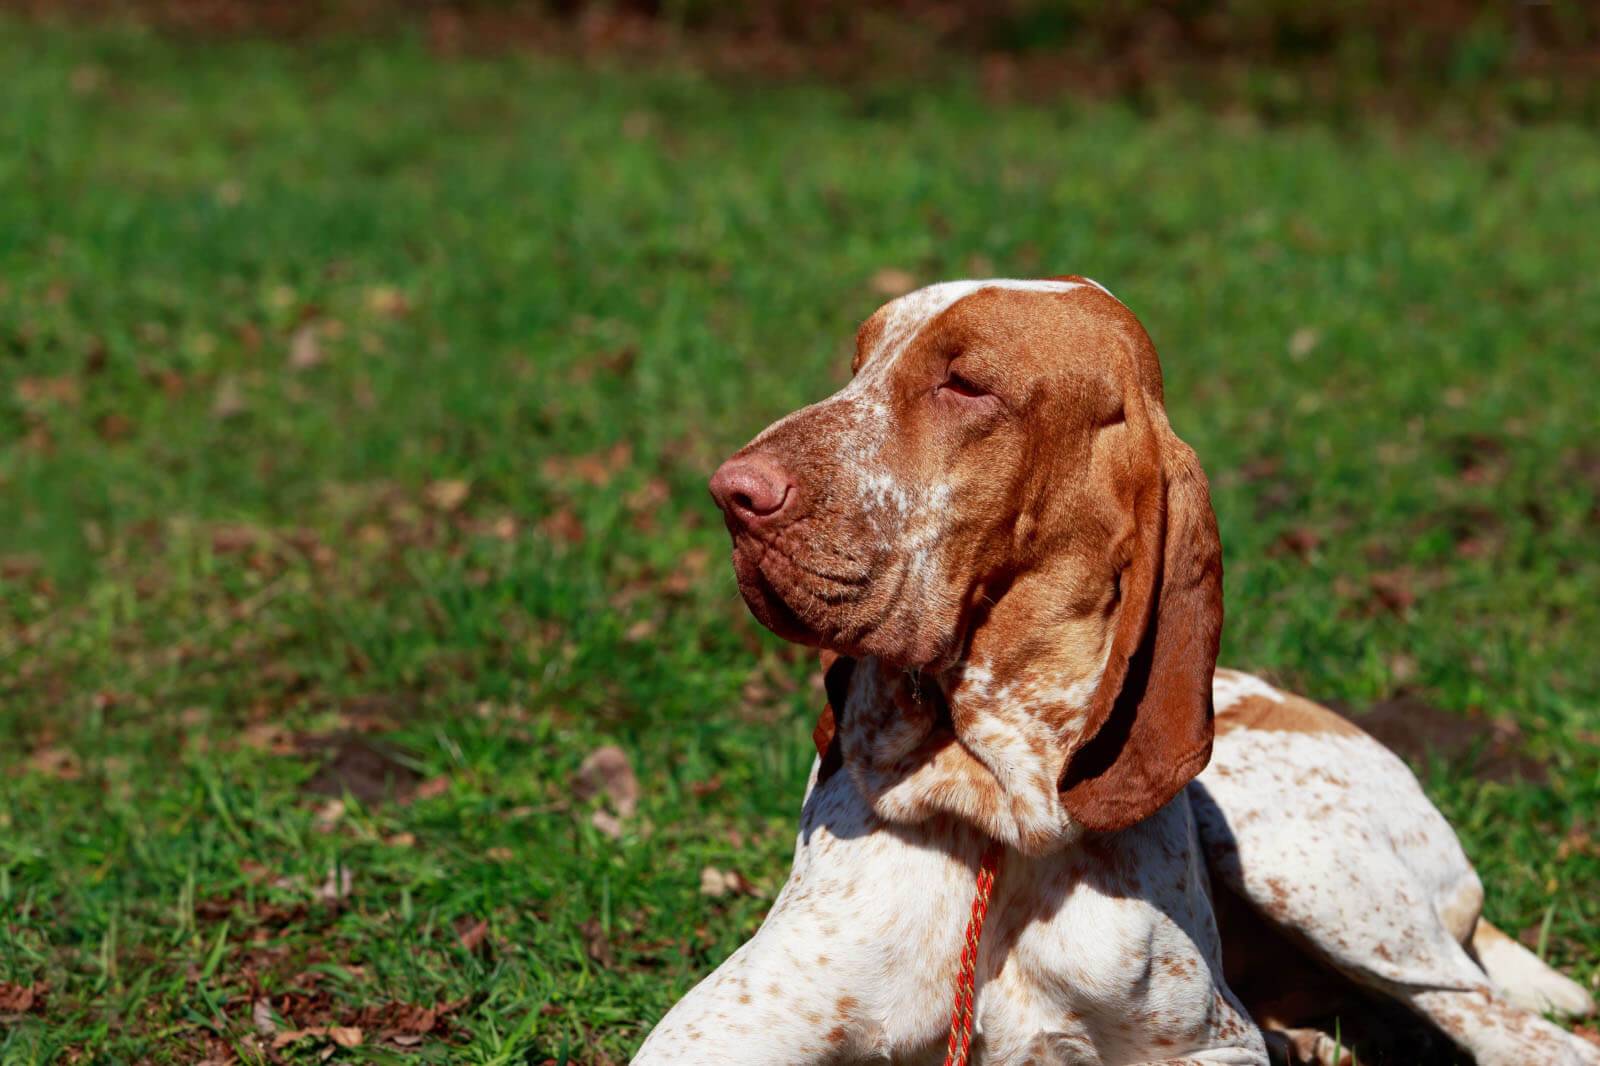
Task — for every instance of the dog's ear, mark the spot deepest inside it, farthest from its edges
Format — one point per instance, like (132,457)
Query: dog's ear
(1149,728)
(836,673)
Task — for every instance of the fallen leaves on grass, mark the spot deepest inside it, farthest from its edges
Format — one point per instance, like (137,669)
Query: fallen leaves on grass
(336,886)
(1300,542)
(113,426)
(447,494)
(367,768)
(1302,341)
(341,1035)
(60,390)
(607,771)
(59,763)
(268,737)
(20,999)
(595,469)
(1392,591)
(328,816)
(563,525)
(596,944)
(388,301)
(688,574)
(471,938)
(305,351)
(228,401)
(717,883)
(432,788)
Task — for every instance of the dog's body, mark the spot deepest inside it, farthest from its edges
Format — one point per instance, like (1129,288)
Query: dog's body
(1011,563)
(1106,952)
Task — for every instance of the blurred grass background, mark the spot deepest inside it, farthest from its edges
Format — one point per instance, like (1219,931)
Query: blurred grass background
(357,396)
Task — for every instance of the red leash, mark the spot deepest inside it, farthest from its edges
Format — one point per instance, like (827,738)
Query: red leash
(960,1046)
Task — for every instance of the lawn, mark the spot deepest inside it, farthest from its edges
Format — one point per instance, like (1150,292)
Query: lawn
(356,407)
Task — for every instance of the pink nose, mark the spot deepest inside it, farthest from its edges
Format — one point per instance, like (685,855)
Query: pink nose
(751,489)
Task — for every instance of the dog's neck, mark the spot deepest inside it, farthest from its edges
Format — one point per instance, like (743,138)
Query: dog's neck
(1038,652)
(1016,705)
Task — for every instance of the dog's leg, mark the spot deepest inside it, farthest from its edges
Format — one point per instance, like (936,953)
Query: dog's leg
(855,959)
(1524,977)
(1498,1032)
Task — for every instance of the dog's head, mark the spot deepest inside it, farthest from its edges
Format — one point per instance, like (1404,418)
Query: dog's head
(997,500)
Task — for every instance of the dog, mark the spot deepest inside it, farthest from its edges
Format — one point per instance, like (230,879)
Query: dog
(1012,567)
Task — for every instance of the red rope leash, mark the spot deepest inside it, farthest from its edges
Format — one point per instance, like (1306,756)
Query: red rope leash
(960,1046)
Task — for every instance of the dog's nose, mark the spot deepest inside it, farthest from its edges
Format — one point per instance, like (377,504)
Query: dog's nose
(751,489)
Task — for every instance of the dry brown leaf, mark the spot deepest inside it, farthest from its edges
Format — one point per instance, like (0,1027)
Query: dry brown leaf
(62,390)
(563,525)
(608,772)
(229,399)
(337,885)
(387,300)
(596,468)
(596,944)
(261,1018)
(1392,590)
(18,999)
(1300,541)
(1303,341)
(472,938)
(304,351)
(113,426)
(59,763)
(328,816)
(268,737)
(707,787)
(413,1019)
(17,567)
(432,788)
(893,282)
(447,494)
(692,566)
(715,882)
(341,1035)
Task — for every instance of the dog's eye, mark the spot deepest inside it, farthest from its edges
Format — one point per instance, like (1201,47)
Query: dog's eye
(960,386)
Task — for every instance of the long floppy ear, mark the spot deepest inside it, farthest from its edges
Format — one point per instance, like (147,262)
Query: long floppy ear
(1149,728)
(836,673)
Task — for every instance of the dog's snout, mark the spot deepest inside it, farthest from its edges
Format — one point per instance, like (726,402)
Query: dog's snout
(751,489)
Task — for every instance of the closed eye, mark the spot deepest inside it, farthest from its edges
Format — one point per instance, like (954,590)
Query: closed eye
(960,386)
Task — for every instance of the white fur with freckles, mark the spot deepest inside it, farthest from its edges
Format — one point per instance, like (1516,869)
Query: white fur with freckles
(1105,951)
(1328,834)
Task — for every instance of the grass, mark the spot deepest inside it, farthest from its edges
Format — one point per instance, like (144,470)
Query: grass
(356,408)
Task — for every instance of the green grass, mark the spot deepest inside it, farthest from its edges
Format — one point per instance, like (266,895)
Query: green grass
(569,293)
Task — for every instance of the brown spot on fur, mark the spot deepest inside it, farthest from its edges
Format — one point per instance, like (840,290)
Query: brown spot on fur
(1293,715)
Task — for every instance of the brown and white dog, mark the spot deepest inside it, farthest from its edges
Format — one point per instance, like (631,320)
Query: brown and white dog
(1012,565)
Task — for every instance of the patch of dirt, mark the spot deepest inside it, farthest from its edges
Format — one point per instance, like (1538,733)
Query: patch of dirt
(368,769)
(1417,731)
